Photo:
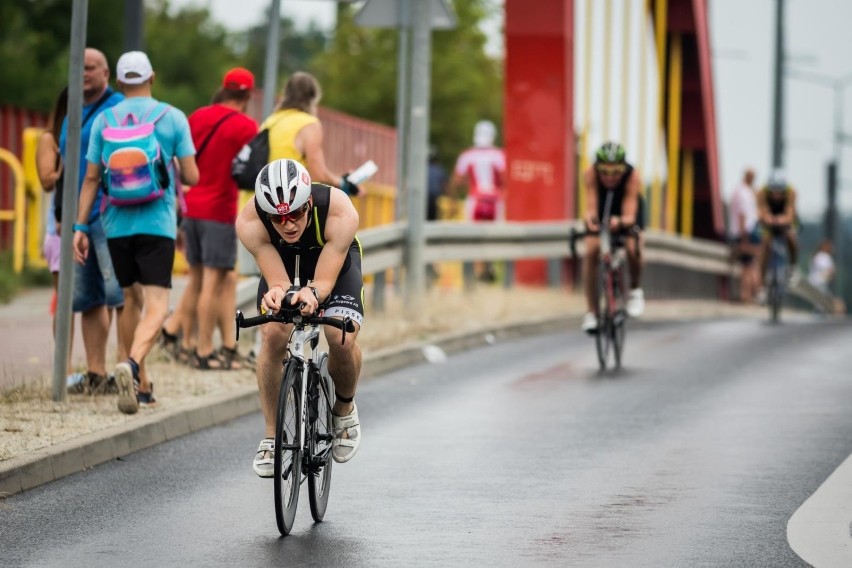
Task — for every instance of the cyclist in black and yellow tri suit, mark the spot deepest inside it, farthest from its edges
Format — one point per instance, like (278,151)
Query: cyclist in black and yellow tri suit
(291,216)
(776,210)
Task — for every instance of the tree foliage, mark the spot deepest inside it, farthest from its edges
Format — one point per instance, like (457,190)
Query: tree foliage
(357,67)
(358,73)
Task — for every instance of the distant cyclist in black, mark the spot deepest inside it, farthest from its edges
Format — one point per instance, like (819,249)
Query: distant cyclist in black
(612,172)
(776,209)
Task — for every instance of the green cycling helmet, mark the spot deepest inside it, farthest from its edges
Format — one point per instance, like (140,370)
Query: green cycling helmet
(610,153)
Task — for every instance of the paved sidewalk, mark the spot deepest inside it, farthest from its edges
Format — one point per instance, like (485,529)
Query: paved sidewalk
(26,352)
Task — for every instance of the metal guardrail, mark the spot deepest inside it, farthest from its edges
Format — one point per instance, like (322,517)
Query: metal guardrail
(384,249)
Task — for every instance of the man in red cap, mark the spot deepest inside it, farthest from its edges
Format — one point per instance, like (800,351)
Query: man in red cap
(219,131)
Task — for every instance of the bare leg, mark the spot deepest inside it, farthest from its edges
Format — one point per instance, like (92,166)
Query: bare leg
(121,347)
(156,308)
(590,272)
(183,319)
(344,366)
(95,328)
(764,255)
(212,292)
(792,247)
(228,308)
(128,320)
(634,261)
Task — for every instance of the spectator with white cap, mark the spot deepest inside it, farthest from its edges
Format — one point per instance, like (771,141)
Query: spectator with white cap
(140,232)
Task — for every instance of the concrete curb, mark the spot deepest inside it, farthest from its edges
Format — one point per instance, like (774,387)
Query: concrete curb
(49,464)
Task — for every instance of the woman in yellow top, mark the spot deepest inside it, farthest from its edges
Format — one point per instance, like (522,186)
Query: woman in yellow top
(295,132)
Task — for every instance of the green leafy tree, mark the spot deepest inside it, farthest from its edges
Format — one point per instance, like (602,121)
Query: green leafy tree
(296,48)
(189,52)
(34,46)
(358,75)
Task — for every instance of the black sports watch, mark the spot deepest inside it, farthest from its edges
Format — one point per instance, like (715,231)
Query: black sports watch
(316,293)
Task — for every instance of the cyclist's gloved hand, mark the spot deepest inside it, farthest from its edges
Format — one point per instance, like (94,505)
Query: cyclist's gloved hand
(348,187)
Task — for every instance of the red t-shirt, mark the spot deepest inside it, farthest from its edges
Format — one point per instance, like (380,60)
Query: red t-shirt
(215,197)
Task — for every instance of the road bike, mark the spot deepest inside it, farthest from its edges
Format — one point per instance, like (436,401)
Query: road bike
(303,425)
(776,271)
(611,294)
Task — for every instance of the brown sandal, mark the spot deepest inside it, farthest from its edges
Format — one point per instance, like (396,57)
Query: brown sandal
(210,362)
(231,359)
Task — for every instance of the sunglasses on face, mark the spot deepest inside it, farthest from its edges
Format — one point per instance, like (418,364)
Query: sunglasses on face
(291,216)
(611,170)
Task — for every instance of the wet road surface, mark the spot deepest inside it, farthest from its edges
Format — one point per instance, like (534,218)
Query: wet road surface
(518,454)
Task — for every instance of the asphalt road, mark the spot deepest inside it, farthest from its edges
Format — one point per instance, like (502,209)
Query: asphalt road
(518,454)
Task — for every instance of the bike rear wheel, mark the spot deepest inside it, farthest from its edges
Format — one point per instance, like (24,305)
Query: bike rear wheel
(604,335)
(321,434)
(288,450)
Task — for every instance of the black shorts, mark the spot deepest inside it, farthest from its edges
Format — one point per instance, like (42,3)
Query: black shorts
(146,259)
(211,244)
(347,297)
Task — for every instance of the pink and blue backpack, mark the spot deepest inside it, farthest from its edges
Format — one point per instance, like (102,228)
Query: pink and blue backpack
(134,169)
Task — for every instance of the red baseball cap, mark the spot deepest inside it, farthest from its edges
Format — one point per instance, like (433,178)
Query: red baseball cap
(238,79)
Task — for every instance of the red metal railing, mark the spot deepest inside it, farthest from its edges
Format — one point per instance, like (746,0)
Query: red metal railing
(13,121)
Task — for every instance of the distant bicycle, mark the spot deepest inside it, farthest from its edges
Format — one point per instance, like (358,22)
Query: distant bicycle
(303,427)
(611,293)
(776,271)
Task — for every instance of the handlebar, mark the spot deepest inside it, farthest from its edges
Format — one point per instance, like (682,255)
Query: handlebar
(630,232)
(295,317)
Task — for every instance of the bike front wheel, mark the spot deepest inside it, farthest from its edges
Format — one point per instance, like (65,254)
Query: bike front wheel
(775,296)
(604,335)
(619,321)
(288,449)
(321,435)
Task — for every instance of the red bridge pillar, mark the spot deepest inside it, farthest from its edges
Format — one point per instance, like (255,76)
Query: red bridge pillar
(539,116)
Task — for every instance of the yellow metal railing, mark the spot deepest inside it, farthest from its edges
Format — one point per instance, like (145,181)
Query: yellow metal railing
(16,215)
(675,85)
(35,197)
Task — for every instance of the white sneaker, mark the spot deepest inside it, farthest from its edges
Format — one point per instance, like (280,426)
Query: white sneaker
(344,449)
(636,303)
(264,466)
(794,277)
(590,323)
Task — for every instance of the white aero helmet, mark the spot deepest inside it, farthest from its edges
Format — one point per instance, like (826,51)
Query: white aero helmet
(282,186)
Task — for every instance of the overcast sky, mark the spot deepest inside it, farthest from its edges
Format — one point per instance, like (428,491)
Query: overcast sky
(818,40)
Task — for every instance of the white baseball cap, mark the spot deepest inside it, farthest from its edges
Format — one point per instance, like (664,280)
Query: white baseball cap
(137,63)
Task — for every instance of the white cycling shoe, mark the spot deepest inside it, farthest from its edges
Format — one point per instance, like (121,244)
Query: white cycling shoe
(636,303)
(344,449)
(264,466)
(590,323)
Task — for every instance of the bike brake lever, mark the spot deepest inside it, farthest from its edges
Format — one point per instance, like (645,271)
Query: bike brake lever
(346,322)
(239,320)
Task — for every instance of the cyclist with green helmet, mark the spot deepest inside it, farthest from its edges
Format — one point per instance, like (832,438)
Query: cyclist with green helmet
(611,172)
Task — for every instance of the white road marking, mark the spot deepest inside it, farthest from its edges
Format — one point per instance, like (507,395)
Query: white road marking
(819,531)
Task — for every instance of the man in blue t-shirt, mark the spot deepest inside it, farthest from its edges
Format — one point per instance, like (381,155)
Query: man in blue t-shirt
(96,289)
(141,237)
